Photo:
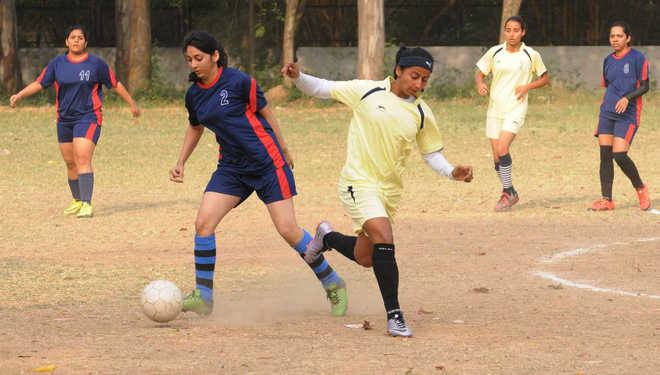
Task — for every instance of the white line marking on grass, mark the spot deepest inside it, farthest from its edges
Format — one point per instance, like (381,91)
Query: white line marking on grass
(593,288)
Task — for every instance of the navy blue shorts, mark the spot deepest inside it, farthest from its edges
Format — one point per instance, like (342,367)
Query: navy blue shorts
(622,128)
(270,187)
(86,127)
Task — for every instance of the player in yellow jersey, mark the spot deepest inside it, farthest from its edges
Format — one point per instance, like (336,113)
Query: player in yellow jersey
(389,117)
(513,66)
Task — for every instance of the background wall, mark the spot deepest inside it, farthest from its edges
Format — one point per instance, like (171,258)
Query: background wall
(572,66)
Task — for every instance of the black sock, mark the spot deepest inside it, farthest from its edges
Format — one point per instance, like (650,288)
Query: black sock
(344,244)
(75,189)
(387,275)
(628,167)
(86,182)
(606,171)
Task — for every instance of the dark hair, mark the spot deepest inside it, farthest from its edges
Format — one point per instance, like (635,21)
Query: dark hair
(410,52)
(206,43)
(70,29)
(518,19)
(626,28)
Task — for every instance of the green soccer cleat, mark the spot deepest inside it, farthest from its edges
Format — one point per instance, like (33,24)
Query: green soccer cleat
(195,303)
(73,208)
(86,210)
(336,293)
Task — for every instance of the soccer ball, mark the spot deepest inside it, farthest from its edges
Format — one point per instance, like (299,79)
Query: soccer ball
(162,301)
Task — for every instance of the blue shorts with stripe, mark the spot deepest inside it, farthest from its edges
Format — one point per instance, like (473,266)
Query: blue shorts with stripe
(272,186)
(621,128)
(86,127)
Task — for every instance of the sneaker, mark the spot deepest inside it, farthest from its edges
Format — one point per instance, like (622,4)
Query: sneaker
(644,198)
(506,201)
(317,246)
(195,303)
(86,210)
(336,293)
(73,208)
(604,204)
(396,325)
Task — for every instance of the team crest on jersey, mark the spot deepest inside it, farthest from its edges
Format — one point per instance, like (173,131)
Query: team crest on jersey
(626,68)
(381,108)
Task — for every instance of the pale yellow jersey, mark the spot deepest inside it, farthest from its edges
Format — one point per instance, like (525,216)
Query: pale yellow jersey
(510,70)
(381,135)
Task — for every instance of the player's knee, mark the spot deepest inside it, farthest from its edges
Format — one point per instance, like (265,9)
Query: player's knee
(365,261)
(288,231)
(620,157)
(203,227)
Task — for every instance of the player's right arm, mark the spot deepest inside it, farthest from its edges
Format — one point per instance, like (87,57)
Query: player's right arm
(29,90)
(193,134)
(482,88)
(310,85)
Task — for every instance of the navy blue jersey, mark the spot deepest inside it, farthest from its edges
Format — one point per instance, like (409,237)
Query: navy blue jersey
(229,107)
(78,85)
(622,75)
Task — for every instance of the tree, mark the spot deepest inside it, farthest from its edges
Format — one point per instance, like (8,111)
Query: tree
(371,39)
(133,25)
(509,8)
(294,12)
(10,73)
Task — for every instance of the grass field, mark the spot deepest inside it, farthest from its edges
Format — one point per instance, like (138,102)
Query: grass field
(70,289)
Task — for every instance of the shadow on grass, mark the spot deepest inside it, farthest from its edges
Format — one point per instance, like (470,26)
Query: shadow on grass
(143,206)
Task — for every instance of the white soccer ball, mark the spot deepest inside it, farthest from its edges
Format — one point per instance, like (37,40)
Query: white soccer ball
(162,301)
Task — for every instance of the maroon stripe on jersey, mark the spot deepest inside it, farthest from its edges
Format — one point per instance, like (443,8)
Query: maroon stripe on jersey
(284,184)
(253,95)
(645,70)
(57,101)
(265,139)
(90,132)
(630,132)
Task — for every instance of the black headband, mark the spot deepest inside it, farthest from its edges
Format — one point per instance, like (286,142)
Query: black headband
(420,61)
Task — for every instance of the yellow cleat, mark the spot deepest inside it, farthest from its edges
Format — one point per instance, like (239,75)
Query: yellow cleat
(86,210)
(73,208)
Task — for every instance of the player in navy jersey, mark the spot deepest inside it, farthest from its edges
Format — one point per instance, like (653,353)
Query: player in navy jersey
(253,157)
(78,77)
(626,78)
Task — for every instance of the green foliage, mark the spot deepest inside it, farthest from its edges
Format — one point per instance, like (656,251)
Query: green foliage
(451,82)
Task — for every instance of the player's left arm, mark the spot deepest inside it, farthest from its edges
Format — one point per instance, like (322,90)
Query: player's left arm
(437,161)
(121,90)
(540,70)
(643,88)
(268,115)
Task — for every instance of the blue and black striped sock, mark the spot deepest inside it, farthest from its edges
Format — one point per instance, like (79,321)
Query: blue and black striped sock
(205,265)
(320,266)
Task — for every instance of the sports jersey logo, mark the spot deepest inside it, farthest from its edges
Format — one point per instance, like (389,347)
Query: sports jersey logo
(381,108)
(626,68)
(223,97)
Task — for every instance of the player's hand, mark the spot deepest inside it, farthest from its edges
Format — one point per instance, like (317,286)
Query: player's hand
(13,100)
(520,92)
(482,89)
(462,173)
(288,157)
(176,174)
(135,110)
(290,70)
(621,105)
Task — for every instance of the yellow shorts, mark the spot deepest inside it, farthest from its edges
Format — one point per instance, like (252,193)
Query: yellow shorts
(496,124)
(363,203)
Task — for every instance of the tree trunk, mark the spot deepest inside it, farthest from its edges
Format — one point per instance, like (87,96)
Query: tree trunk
(294,12)
(371,39)
(10,72)
(250,38)
(133,43)
(509,8)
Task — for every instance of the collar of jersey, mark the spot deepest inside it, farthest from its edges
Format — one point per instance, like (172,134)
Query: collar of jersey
(77,61)
(622,56)
(522,45)
(214,81)
(388,86)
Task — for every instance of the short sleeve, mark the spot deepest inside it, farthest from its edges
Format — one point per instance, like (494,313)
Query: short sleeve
(429,138)
(538,67)
(643,68)
(47,76)
(351,92)
(106,75)
(192,117)
(485,63)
